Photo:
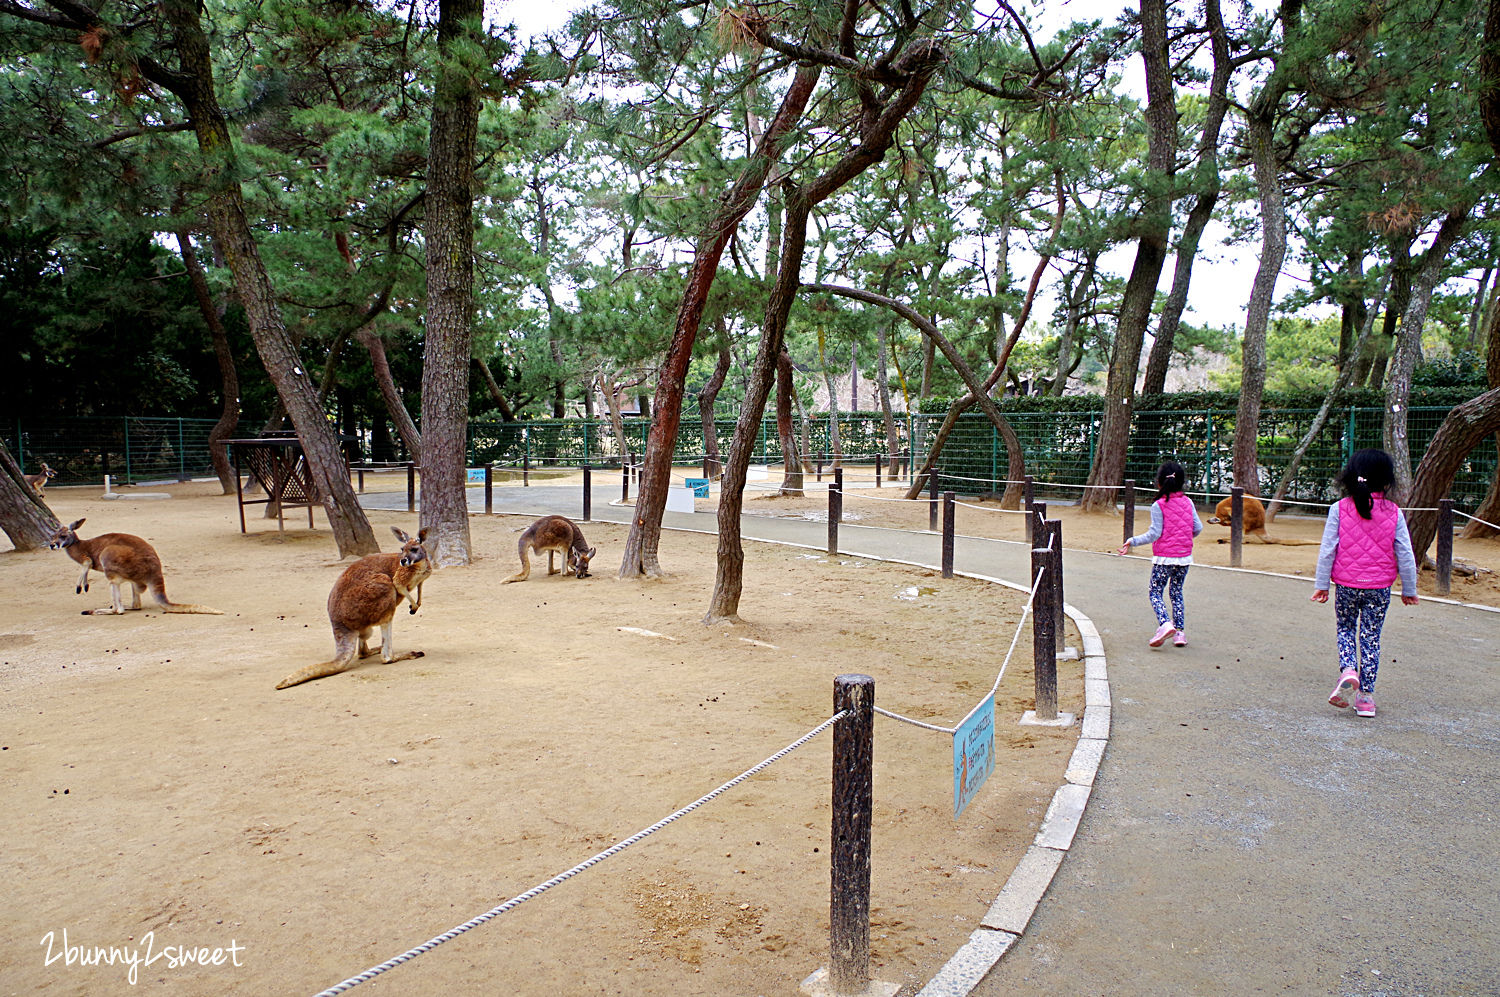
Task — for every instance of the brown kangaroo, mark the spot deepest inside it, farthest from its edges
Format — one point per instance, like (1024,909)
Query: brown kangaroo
(555,535)
(38,482)
(367,596)
(125,560)
(1254,522)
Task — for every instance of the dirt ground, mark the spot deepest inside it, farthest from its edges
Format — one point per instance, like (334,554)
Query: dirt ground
(161,793)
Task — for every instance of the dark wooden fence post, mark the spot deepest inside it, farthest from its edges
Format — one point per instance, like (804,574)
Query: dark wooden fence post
(877,468)
(1036,524)
(853,796)
(588,492)
(489,488)
(411,486)
(526,470)
(1129,509)
(1028,495)
(625,481)
(835,509)
(1444,549)
(1043,634)
(1236,524)
(361,481)
(947,534)
(932,499)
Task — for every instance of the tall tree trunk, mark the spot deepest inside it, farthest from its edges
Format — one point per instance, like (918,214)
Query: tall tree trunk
(1208,184)
(835,445)
(879,125)
(496,395)
(883,392)
(194,86)
(706,398)
(641,546)
(1155,226)
(791,478)
(24,517)
(1463,429)
(229,378)
(395,405)
(449,231)
(1489,509)
(1409,345)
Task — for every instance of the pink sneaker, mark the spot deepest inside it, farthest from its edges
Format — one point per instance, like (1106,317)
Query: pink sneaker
(1345,690)
(1180,640)
(1162,633)
(1364,704)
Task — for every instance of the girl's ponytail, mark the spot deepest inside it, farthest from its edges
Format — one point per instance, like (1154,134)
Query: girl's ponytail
(1368,472)
(1171,477)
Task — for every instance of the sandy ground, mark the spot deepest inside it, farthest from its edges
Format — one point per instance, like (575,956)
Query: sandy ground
(162,796)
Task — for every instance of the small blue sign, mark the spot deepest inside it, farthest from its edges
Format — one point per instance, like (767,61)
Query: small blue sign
(698,485)
(973,753)
(476,474)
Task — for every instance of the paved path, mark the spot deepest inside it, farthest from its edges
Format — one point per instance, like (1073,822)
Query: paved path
(1243,837)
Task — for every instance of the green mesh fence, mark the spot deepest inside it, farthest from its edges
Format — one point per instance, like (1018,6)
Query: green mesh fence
(1058,446)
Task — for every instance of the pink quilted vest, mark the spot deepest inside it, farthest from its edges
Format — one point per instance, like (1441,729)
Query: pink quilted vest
(1176,527)
(1366,555)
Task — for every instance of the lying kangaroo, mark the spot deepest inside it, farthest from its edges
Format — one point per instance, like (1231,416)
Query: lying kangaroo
(38,482)
(555,535)
(367,596)
(1253,517)
(124,559)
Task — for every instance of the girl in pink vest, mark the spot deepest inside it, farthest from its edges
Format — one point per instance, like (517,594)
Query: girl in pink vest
(1174,524)
(1365,546)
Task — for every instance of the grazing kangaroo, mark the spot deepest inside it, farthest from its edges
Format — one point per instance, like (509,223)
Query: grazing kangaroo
(125,560)
(555,535)
(38,482)
(1254,522)
(367,596)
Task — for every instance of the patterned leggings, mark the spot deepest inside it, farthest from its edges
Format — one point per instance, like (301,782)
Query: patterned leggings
(1161,576)
(1359,615)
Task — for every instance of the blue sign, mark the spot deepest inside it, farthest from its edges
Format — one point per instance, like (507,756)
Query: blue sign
(973,753)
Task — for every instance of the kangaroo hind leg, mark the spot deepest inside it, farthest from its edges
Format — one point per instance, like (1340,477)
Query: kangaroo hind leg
(387,642)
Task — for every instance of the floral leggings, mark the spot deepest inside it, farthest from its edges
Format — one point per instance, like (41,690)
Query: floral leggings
(1161,576)
(1358,615)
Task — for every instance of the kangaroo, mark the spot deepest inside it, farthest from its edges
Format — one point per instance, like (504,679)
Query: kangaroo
(1254,522)
(555,535)
(367,596)
(125,560)
(38,482)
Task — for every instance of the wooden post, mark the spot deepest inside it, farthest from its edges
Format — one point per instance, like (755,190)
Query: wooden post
(877,468)
(1236,524)
(1444,581)
(1028,495)
(625,482)
(489,488)
(1055,541)
(411,486)
(588,492)
(835,509)
(820,466)
(1043,634)
(361,481)
(947,534)
(526,470)
(1036,524)
(853,795)
(932,499)
(1129,509)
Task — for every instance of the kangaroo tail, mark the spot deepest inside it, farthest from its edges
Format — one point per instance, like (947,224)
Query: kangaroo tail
(168,606)
(346,651)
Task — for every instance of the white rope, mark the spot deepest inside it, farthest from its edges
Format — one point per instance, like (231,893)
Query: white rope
(1478,520)
(609,852)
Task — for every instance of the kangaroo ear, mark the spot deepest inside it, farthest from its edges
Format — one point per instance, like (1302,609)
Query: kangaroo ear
(422,535)
(592,551)
(400,534)
(76,525)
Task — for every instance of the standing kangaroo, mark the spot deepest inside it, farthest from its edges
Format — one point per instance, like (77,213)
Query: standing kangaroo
(367,596)
(38,482)
(555,535)
(125,560)
(1253,522)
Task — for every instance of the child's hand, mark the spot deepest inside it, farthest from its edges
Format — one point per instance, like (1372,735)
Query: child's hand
(1124,549)
(1408,600)
(1321,595)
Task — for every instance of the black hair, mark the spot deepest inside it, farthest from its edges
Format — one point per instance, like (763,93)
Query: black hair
(1171,477)
(1368,471)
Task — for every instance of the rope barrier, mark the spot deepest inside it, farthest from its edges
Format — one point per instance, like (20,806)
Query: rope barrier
(1477,520)
(609,852)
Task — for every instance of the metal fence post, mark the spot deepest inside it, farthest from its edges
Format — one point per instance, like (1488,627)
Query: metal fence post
(853,795)
(181,457)
(947,534)
(1236,524)
(129,479)
(1444,548)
